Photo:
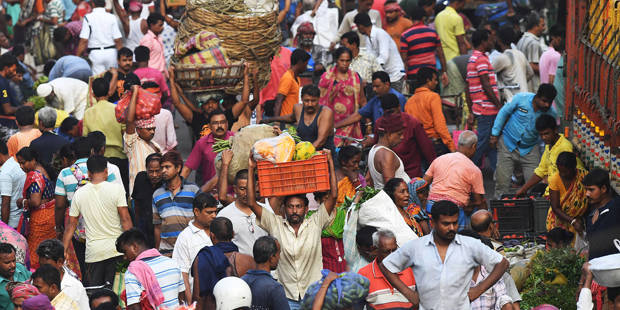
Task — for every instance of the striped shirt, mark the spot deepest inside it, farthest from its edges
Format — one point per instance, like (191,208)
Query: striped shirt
(420,42)
(168,276)
(381,294)
(477,66)
(137,151)
(173,213)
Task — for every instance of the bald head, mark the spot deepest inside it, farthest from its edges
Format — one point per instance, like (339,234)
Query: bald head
(481,222)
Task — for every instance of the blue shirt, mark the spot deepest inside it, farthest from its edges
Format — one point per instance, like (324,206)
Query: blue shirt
(267,293)
(21,275)
(519,119)
(67,66)
(373,109)
(173,212)
(27,78)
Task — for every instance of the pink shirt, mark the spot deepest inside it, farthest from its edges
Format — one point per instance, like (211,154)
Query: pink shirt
(153,75)
(454,177)
(165,136)
(157,59)
(279,65)
(548,64)
(202,155)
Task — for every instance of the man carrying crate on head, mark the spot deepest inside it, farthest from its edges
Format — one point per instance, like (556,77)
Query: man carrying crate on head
(300,237)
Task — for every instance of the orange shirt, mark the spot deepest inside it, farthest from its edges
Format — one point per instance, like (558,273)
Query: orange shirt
(425,106)
(21,139)
(381,294)
(395,30)
(289,87)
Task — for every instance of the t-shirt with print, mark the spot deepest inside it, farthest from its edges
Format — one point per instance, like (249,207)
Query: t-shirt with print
(120,82)
(200,123)
(477,66)
(6,94)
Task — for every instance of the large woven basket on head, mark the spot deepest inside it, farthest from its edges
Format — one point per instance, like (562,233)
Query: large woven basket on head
(254,39)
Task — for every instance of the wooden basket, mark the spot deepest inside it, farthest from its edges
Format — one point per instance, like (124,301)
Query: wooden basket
(199,78)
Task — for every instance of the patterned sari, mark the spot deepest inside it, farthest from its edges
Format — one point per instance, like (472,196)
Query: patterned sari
(574,203)
(343,97)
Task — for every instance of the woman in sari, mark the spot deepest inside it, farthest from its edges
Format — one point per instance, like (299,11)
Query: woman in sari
(415,216)
(39,203)
(567,194)
(341,91)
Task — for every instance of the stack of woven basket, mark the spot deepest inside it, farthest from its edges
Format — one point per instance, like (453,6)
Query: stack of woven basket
(248,32)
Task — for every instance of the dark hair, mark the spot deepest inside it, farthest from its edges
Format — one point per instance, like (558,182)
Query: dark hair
(153,157)
(506,34)
(173,157)
(613,293)
(124,52)
(299,56)
(99,3)
(7,60)
(491,23)
(352,38)
(532,20)
(302,197)
(217,111)
(444,207)
(311,90)
(341,50)
(547,91)
(150,84)
(106,306)
(546,121)
(18,50)
(560,236)
(362,19)
(66,151)
(96,164)
(68,124)
(24,115)
(389,101)
(49,65)
(347,152)
(128,237)
(567,159)
(364,236)
(49,275)
(479,36)
(20,70)
(382,76)
(97,140)
(130,80)
(557,31)
(483,225)
(264,248)
(222,228)
(597,177)
(424,75)
(104,292)
(82,147)
(6,248)
(204,200)
(4,150)
(59,34)
(390,186)
(241,175)
(51,249)
(28,154)
(101,87)
(153,19)
(142,53)
(417,13)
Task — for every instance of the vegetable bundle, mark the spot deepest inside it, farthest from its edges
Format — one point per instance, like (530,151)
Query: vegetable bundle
(367,193)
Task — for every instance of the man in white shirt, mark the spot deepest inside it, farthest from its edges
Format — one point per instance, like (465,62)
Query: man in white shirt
(511,65)
(381,44)
(103,207)
(347,24)
(67,93)
(101,34)
(194,237)
(52,252)
(12,179)
(532,46)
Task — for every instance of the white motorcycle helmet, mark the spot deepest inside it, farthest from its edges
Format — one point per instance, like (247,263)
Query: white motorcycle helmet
(232,293)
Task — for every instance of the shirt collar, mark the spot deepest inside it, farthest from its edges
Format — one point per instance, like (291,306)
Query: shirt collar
(418,23)
(431,239)
(258,272)
(164,185)
(422,89)
(193,227)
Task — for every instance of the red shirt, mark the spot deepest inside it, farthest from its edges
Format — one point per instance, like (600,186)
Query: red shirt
(381,294)
(414,146)
(202,155)
(420,42)
(477,66)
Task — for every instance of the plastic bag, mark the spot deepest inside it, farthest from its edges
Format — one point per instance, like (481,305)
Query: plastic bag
(278,149)
(148,105)
(381,212)
(347,291)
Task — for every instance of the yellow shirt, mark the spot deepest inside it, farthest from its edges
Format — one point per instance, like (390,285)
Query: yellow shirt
(547,166)
(60,116)
(101,117)
(63,302)
(449,24)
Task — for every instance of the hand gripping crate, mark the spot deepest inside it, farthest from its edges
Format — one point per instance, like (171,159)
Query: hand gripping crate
(295,177)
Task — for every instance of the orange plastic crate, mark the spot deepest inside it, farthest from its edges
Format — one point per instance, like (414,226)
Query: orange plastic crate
(295,177)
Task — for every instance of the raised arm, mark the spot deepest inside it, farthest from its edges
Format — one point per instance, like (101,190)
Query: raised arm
(319,298)
(245,96)
(222,182)
(175,94)
(131,112)
(113,81)
(122,15)
(257,209)
(330,202)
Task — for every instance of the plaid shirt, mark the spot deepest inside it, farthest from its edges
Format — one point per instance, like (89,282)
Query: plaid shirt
(494,298)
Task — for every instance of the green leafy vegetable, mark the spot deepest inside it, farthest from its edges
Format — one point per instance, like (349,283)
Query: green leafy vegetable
(367,193)
(221,145)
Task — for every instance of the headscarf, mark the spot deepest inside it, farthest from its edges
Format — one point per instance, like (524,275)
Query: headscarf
(414,186)
(39,302)
(304,28)
(146,123)
(390,123)
(394,7)
(24,291)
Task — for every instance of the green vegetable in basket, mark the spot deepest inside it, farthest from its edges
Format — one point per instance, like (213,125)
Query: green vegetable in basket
(38,102)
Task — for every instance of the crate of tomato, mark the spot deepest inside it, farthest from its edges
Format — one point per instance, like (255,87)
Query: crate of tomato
(513,214)
(288,168)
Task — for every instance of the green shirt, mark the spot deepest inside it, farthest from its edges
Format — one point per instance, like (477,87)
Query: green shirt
(21,275)
(102,117)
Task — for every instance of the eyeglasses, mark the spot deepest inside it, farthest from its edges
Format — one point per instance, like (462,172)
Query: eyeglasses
(250,224)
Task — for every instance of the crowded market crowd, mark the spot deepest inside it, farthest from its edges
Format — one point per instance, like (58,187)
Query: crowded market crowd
(95,206)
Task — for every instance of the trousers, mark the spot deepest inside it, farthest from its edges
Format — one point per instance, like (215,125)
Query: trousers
(506,163)
(102,60)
